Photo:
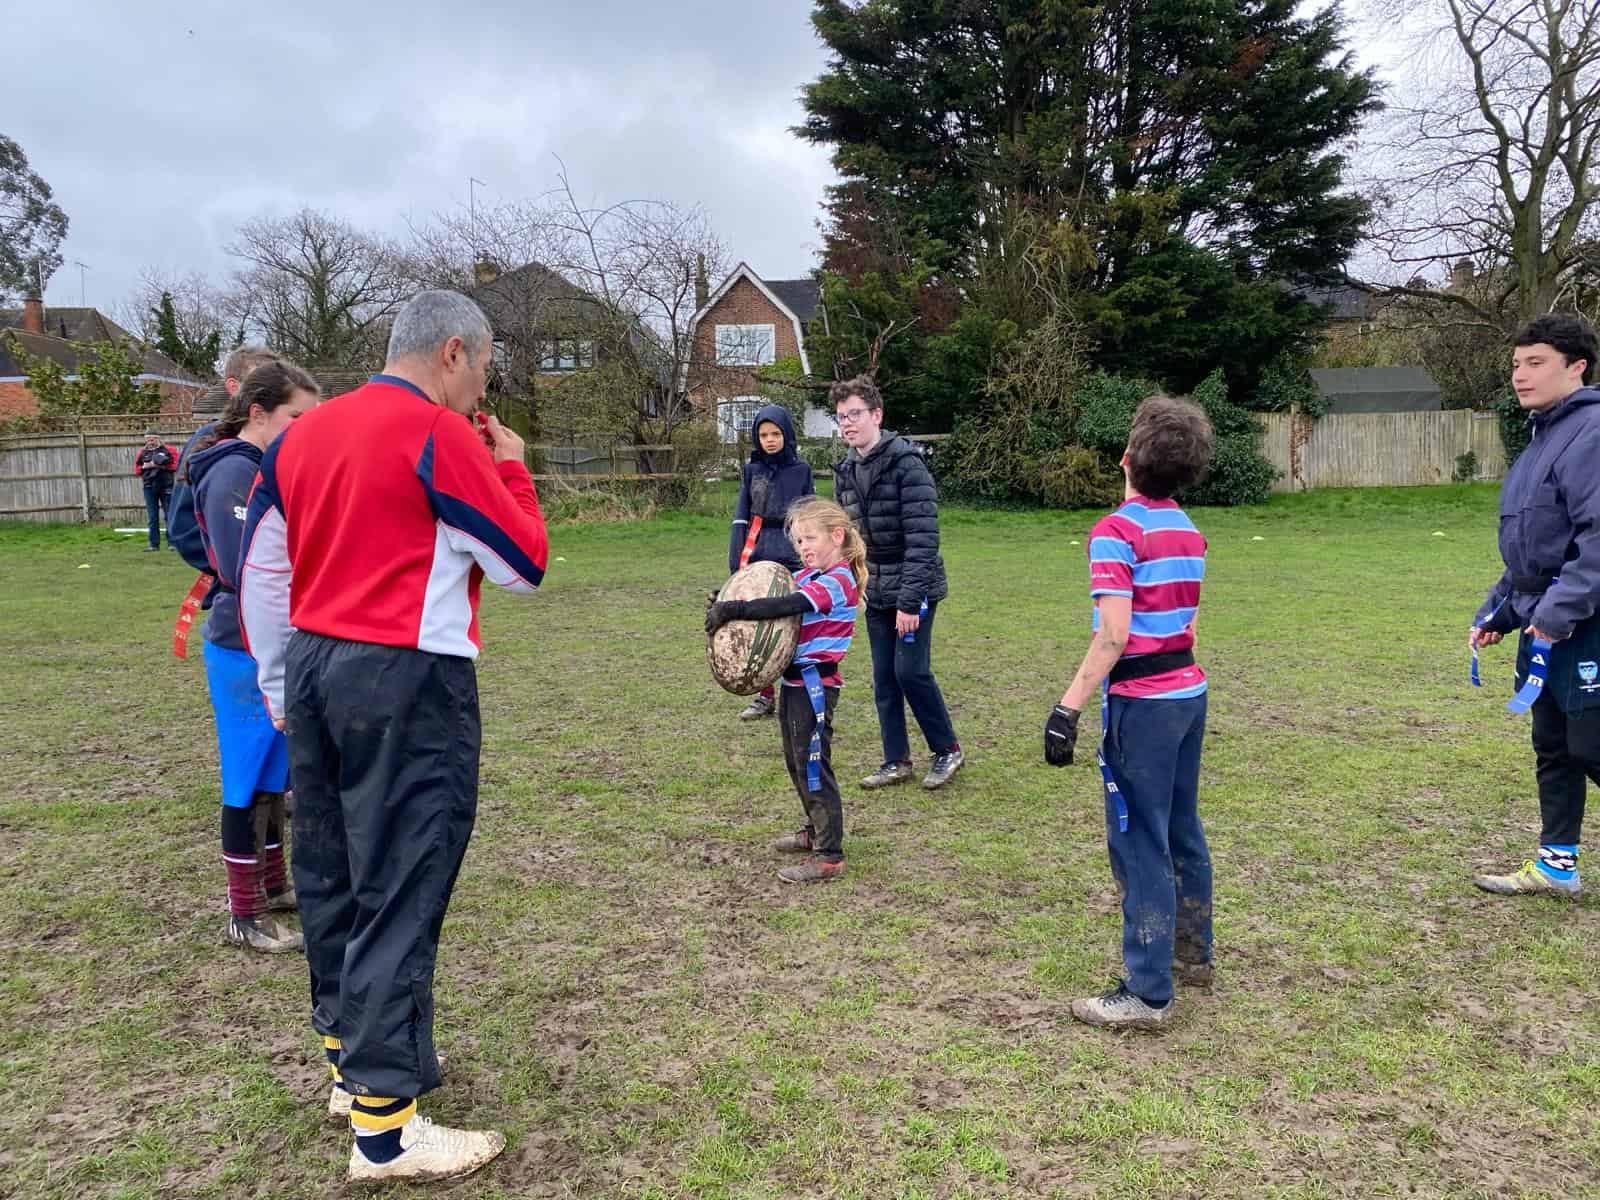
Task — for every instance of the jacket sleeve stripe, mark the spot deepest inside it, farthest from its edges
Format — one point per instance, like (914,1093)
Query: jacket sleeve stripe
(474,531)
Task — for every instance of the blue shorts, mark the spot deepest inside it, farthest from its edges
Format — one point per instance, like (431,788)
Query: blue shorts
(255,756)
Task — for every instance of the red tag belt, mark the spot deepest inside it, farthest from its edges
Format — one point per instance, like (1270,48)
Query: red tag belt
(186,614)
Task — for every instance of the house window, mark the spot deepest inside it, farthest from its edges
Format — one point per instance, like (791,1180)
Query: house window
(735,415)
(564,354)
(746,345)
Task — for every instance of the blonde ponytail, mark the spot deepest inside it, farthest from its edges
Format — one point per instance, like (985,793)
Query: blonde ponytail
(820,511)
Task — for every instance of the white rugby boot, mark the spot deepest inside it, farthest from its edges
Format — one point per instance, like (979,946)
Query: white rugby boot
(428,1152)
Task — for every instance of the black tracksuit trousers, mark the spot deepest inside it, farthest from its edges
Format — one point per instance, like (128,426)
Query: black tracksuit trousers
(383,750)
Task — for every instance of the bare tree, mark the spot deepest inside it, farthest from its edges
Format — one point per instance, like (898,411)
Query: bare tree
(199,305)
(318,289)
(1489,156)
(591,307)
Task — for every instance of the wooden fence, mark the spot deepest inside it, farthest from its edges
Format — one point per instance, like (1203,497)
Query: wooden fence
(86,473)
(1379,449)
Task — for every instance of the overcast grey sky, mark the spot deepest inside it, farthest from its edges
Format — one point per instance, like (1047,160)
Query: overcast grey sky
(162,126)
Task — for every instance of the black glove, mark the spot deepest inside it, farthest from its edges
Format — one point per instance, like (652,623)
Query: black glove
(720,612)
(1060,736)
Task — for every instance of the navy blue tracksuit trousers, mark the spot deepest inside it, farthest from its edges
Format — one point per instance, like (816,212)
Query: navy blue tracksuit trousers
(1162,865)
(383,749)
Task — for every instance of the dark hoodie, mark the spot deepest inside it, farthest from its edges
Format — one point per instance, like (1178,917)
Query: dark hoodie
(222,476)
(783,478)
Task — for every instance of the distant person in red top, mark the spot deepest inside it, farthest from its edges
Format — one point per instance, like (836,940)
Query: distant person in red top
(154,464)
(386,507)
(1146,564)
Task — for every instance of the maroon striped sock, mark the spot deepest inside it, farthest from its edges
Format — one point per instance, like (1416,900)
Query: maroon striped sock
(244,884)
(273,877)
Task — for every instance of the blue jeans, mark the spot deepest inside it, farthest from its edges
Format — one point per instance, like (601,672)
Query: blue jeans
(903,674)
(1162,865)
(156,501)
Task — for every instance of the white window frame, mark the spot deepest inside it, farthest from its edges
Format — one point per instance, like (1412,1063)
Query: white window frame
(735,414)
(747,345)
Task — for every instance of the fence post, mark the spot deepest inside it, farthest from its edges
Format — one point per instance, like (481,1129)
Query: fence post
(83,471)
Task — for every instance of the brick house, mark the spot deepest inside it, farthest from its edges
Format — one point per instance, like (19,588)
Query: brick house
(67,336)
(746,324)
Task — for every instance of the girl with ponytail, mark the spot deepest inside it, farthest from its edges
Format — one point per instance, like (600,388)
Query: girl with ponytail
(827,597)
(254,756)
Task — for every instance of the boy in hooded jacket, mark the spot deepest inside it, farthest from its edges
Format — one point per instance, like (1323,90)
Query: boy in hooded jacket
(774,478)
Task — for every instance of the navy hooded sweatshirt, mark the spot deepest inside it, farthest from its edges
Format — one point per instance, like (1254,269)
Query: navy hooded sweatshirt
(775,481)
(222,476)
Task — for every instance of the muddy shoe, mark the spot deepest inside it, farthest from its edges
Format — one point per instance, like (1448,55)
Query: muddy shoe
(895,772)
(339,1104)
(758,707)
(1121,1009)
(1194,975)
(428,1151)
(283,901)
(798,842)
(1528,879)
(263,934)
(813,870)
(944,767)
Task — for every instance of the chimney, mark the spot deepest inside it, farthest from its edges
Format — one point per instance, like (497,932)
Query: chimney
(1461,275)
(702,290)
(485,271)
(33,315)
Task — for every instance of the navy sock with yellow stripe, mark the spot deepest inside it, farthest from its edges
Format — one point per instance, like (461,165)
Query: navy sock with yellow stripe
(376,1122)
(331,1047)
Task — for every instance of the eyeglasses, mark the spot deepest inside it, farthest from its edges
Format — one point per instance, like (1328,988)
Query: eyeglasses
(851,416)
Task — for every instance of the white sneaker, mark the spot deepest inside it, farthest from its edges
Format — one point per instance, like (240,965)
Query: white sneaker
(1121,1009)
(339,1100)
(428,1151)
(339,1104)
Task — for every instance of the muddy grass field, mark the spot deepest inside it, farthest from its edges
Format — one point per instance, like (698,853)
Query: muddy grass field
(628,991)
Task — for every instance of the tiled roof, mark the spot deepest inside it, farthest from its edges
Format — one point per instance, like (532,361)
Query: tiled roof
(800,296)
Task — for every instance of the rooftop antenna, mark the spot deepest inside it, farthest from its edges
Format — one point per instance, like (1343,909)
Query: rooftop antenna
(82,267)
(472,205)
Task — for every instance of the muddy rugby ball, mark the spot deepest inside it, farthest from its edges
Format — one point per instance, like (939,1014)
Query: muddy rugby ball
(746,656)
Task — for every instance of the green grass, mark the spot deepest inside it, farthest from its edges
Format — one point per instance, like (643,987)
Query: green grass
(626,989)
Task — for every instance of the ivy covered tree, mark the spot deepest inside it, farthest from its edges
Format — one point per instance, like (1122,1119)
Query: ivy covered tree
(1168,164)
(195,351)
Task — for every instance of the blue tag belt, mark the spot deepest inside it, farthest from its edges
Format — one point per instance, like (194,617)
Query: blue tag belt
(1113,792)
(1533,686)
(819,706)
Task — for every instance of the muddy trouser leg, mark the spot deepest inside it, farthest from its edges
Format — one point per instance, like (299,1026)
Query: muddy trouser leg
(407,730)
(321,867)
(824,809)
(796,746)
(1566,753)
(1191,857)
(1144,752)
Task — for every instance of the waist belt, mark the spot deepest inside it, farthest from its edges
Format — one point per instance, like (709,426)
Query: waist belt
(1142,666)
(1533,584)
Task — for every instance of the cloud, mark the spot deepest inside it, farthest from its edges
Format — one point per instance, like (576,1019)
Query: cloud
(162,128)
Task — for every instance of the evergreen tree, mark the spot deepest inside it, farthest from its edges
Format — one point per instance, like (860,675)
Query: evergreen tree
(1170,162)
(196,351)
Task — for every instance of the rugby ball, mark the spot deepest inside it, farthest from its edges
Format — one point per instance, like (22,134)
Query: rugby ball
(746,656)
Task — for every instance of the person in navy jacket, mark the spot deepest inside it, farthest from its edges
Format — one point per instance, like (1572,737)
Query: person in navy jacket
(774,478)
(1550,589)
(221,468)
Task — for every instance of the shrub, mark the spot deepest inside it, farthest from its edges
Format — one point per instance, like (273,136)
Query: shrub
(1466,468)
(1516,431)
(1078,478)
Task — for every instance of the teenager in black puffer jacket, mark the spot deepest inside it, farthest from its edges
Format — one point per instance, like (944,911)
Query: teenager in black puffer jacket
(889,493)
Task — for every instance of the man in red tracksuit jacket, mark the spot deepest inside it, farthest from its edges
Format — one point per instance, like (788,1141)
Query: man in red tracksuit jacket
(373,521)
